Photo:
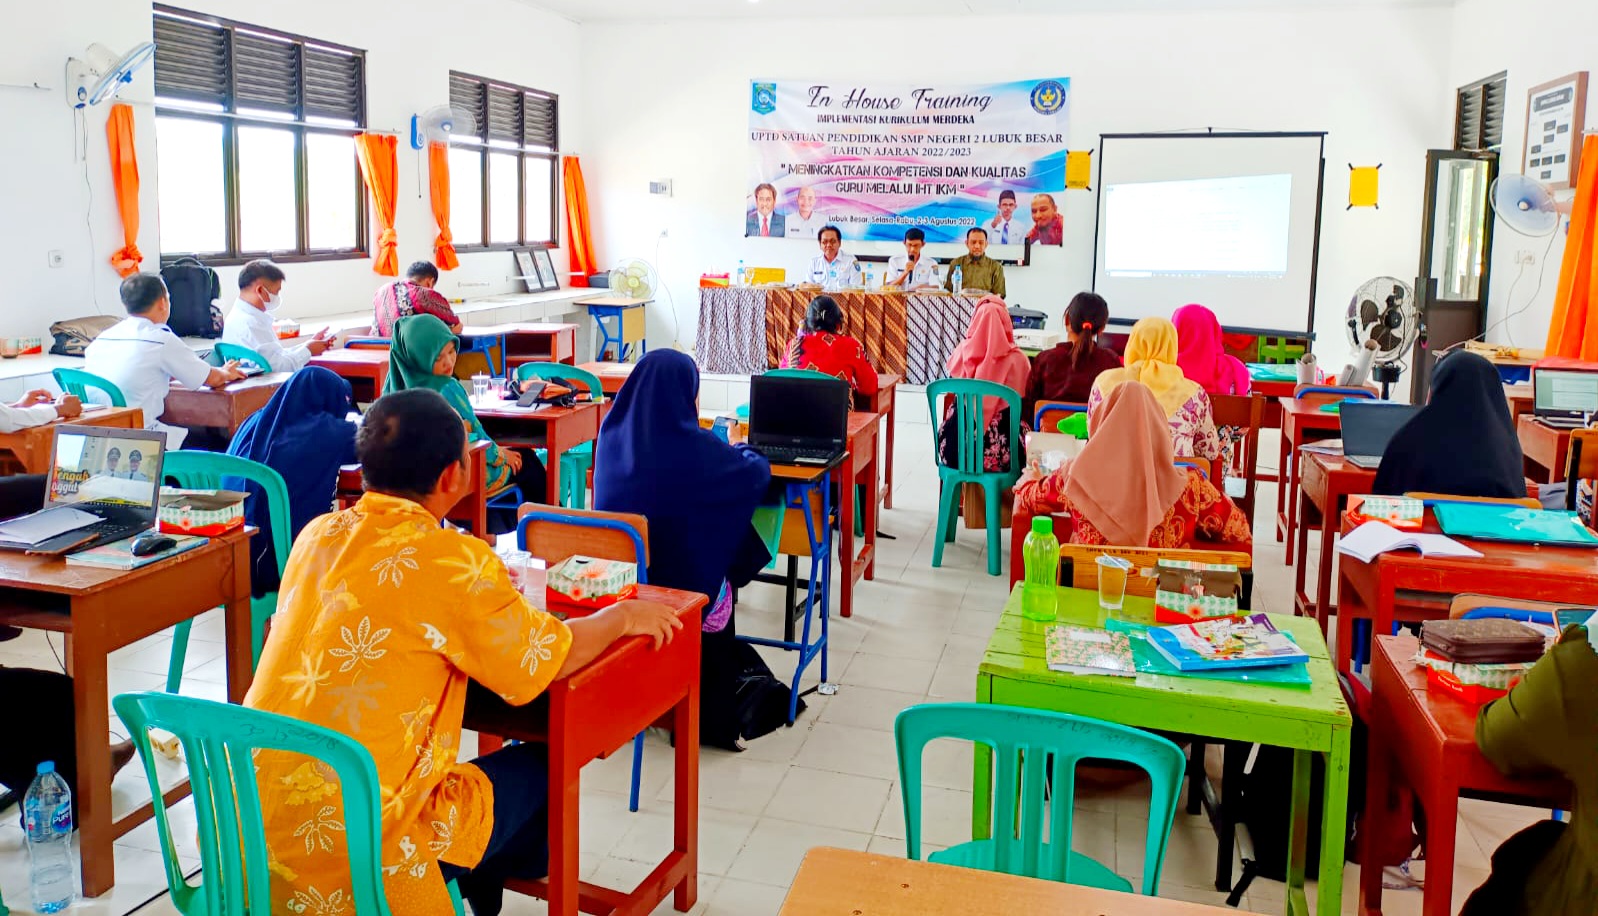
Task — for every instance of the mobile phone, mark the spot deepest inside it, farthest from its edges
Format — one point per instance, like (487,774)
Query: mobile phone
(1569,616)
(531,394)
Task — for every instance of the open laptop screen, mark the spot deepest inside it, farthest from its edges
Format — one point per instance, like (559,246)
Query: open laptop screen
(1561,393)
(90,466)
(797,411)
(1369,425)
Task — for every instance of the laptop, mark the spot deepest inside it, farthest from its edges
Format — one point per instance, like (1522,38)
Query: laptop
(801,421)
(1564,398)
(104,485)
(1367,428)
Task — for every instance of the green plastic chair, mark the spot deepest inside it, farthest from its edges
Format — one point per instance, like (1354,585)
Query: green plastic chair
(574,462)
(970,428)
(219,741)
(77,383)
(225,351)
(1038,751)
(196,470)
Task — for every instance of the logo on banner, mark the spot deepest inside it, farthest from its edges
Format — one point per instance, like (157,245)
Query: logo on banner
(1048,97)
(765,98)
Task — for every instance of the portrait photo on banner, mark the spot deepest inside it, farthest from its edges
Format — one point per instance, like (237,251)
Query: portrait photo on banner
(876,160)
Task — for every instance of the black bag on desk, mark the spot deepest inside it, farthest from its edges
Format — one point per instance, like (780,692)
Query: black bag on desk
(193,287)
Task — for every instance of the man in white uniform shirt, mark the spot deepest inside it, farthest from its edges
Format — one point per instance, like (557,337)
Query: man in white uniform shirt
(832,268)
(1005,229)
(249,321)
(913,269)
(141,356)
(806,222)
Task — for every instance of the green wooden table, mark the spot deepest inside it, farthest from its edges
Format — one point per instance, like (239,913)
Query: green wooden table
(1311,719)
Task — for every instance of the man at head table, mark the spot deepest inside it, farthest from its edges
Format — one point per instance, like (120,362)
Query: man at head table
(832,268)
(913,269)
(977,270)
(807,221)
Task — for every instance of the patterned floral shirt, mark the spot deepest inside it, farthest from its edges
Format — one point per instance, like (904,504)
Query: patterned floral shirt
(1193,432)
(382,620)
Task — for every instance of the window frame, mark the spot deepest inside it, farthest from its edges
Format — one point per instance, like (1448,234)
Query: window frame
(230,120)
(482,145)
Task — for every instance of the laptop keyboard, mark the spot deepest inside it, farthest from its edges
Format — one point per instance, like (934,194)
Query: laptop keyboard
(784,454)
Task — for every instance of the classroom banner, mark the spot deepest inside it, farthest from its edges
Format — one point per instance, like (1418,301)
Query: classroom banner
(877,159)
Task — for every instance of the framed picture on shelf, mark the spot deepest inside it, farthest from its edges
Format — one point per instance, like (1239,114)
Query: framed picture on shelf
(526,270)
(1555,115)
(546,269)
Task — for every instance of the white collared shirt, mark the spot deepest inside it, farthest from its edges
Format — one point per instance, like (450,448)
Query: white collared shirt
(1008,232)
(15,418)
(142,358)
(797,227)
(835,274)
(926,272)
(248,326)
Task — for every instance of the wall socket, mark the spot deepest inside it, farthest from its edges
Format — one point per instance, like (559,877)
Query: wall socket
(56,258)
(1525,257)
(661,187)
(663,233)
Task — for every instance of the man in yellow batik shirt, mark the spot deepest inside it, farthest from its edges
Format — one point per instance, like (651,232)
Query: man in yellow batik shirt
(383,619)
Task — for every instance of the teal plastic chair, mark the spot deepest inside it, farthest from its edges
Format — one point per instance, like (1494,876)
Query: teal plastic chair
(575,463)
(195,470)
(77,383)
(1038,751)
(968,395)
(219,741)
(225,351)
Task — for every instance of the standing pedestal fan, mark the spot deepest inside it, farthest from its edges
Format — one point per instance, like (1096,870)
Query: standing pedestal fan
(1382,324)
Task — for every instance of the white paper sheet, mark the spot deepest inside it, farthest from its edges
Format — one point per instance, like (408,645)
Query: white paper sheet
(42,526)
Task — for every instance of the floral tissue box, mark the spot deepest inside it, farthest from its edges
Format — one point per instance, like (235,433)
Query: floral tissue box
(587,583)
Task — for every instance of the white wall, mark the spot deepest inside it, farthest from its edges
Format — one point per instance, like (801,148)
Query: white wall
(1536,41)
(411,47)
(1374,78)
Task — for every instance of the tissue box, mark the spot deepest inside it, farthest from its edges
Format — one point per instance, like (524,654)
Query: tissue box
(206,513)
(711,281)
(1186,591)
(586,583)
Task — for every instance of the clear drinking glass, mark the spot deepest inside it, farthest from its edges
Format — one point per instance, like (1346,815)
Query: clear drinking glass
(517,563)
(1112,581)
(479,387)
(498,387)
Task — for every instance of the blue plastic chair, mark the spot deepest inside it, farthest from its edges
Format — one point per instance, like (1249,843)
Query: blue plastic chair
(219,741)
(488,345)
(1347,394)
(228,351)
(640,556)
(1038,751)
(575,463)
(860,491)
(369,343)
(1047,412)
(196,470)
(970,430)
(77,383)
(1185,463)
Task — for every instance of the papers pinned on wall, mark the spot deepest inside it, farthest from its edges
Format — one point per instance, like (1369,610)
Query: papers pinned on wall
(1363,183)
(1079,170)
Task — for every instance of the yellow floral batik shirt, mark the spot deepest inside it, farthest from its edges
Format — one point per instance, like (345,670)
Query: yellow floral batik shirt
(383,618)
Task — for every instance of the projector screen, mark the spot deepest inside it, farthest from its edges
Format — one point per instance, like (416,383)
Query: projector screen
(1227,220)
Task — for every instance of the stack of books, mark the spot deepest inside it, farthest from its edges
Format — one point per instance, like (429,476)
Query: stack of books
(1245,647)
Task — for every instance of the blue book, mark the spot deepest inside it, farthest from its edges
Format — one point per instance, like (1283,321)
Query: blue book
(1226,642)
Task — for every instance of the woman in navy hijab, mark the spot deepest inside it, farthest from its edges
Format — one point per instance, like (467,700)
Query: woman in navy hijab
(1462,443)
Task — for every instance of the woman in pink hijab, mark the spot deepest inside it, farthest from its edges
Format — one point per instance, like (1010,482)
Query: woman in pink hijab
(988,353)
(1202,357)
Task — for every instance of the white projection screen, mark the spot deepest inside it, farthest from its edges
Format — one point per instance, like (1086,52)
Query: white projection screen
(1229,220)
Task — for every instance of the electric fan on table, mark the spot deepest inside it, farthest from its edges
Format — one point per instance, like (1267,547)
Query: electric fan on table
(101,74)
(634,278)
(1383,323)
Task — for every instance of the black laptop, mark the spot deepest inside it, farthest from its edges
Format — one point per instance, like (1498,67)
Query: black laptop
(104,485)
(1564,398)
(1367,428)
(800,421)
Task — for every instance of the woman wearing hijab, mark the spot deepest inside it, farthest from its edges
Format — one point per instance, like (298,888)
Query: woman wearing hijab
(823,347)
(304,434)
(988,353)
(1124,488)
(423,356)
(1201,354)
(1462,442)
(1151,360)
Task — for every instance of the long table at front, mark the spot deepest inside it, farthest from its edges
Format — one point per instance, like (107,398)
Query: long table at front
(744,330)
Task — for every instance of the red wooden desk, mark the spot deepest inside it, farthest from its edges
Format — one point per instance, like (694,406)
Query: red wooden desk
(1328,481)
(554,429)
(1431,737)
(1273,390)
(1545,449)
(472,510)
(859,467)
(30,448)
(1302,418)
(592,712)
(530,342)
(365,370)
(611,375)
(882,402)
(1371,590)
(221,408)
(1519,398)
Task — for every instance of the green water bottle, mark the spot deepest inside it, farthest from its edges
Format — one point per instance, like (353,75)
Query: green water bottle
(1041,553)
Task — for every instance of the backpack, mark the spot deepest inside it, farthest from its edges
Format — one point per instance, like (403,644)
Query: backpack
(193,287)
(739,698)
(74,335)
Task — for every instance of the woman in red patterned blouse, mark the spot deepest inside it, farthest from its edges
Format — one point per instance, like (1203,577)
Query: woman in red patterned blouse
(823,347)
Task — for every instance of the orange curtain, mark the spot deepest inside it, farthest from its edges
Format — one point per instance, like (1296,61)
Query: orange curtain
(438,185)
(125,178)
(379,162)
(579,237)
(1573,331)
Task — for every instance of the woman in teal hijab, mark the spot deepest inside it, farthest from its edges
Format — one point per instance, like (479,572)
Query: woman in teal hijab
(423,356)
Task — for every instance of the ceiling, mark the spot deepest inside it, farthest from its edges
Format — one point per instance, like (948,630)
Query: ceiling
(656,10)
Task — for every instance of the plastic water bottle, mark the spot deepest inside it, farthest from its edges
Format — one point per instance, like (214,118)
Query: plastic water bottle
(959,279)
(741,275)
(47,814)
(1041,552)
(865,277)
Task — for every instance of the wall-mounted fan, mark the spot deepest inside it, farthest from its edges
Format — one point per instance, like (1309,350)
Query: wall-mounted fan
(101,73)
(1526,205)
(440,124)
(1382,313)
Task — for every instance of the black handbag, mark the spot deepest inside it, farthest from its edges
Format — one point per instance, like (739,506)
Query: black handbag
(192,287)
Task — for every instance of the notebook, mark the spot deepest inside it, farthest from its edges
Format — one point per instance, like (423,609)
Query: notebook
(1372,539)
(1226,642)
(1086,650)
(119,554)
(1514,524)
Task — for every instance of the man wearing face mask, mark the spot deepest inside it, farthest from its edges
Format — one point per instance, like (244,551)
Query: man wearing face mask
(249,321)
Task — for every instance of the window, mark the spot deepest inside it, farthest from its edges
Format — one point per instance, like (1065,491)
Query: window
(1479,114)
(256,131)
(503,178)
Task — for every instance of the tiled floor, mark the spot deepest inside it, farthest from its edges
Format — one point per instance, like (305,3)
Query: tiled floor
(831,780)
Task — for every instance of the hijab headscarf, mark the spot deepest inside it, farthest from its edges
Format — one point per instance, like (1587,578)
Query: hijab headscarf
(1151,359)
(1462,442)
(1125,479)
(1201,354)
(418,340)
(989,353)
(698,492)
(303,434)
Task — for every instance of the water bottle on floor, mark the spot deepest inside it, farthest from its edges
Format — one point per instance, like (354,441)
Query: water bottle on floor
(47,814)
(1041,553)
